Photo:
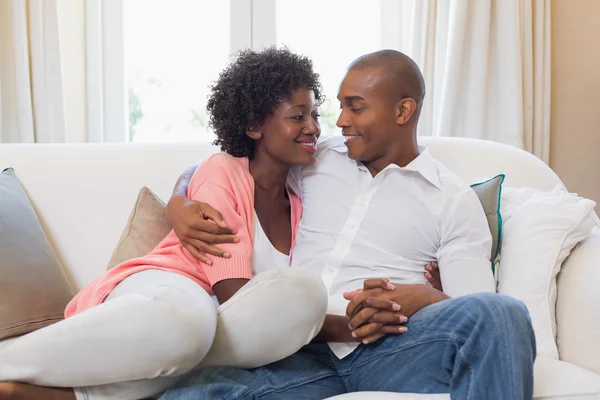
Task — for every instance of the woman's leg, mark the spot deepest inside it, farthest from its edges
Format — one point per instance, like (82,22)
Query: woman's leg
(271,317)
(268,319)
(154,324)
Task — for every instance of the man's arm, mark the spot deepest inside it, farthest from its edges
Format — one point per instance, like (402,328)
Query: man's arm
(465,248)
(183,183)
(191,221)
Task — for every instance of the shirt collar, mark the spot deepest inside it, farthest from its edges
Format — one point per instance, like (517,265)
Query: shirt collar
(424,165)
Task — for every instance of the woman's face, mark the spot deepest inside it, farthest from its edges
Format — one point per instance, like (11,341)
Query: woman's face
(290,134)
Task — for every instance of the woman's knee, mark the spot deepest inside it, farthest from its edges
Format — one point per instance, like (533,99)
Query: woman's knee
(306,289)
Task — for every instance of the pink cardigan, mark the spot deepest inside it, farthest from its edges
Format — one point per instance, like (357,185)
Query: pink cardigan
(224,182)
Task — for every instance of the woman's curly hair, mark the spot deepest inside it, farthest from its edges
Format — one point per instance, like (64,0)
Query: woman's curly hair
(250,89)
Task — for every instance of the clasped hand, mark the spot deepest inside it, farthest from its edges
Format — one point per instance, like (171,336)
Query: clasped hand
(381,308)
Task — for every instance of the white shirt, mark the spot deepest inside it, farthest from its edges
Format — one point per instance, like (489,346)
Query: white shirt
(264,255)
(355,226)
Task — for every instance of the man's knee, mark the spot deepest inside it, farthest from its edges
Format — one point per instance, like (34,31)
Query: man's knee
(499,309)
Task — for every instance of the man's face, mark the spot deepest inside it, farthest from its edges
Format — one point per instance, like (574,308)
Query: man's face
(368,117)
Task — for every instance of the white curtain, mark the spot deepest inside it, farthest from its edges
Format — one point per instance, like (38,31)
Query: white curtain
(487,68)
(31,80)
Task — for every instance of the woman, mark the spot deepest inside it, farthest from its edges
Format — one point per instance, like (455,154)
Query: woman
(135,330)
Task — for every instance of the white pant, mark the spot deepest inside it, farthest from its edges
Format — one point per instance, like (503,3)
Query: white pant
(156,326)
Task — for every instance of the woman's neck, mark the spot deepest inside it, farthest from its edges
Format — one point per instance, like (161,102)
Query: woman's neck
(269,175)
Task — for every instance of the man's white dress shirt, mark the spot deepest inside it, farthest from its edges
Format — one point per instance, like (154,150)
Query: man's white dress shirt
(355,226)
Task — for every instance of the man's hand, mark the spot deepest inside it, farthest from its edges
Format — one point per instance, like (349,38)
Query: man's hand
(432,274)
(409,298)
(380,317)
(199,226)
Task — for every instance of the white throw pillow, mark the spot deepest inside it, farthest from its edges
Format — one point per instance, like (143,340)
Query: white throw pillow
(540,230)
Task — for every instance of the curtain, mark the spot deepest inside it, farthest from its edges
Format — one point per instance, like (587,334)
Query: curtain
(31,76)
(487,69)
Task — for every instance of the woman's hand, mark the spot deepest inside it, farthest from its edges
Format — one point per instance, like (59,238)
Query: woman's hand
(432,274)
(199,227)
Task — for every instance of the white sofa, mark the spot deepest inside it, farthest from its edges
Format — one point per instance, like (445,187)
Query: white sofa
(83,194)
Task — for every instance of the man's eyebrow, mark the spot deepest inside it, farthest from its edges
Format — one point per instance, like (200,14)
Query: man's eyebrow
(353,98)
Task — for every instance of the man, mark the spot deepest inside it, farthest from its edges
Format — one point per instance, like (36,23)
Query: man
(375,206)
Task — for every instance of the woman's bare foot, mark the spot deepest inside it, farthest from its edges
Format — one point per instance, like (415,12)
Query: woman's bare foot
(23,391)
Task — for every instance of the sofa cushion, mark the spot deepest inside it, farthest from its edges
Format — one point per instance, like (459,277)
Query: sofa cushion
(555,379)
(146,227)
(537,238)
(33,287)
(489,192)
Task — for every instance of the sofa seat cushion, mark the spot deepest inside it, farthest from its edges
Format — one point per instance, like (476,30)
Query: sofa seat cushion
(553,380)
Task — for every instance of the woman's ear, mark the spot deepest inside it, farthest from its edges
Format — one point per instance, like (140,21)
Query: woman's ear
(254,132)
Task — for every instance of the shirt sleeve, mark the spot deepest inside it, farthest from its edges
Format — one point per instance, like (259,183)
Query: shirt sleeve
(464,253)
(238,266)
(294,180)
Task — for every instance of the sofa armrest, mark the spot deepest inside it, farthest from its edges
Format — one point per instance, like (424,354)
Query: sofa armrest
(578,305)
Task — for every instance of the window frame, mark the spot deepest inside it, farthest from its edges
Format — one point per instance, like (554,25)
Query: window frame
(253,25)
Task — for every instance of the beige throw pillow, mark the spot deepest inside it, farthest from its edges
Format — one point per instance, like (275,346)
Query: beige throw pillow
(33,288)
(147,226)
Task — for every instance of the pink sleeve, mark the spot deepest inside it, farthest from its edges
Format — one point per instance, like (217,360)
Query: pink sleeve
(235,215)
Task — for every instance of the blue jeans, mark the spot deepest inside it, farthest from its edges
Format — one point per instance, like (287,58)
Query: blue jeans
(474,347)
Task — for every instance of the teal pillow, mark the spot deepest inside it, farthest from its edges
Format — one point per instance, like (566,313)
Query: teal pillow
(489,193)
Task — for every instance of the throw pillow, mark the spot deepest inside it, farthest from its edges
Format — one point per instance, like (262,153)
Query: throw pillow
(489,192)
(33,288)
(538,237)
(147,226)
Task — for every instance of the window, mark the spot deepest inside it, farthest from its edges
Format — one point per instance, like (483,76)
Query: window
(333,33)
(173,50)
(159,56)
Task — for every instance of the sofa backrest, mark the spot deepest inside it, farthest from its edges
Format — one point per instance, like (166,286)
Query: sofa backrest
(83,193)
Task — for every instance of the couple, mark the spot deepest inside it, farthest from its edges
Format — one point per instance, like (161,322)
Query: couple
(360,219)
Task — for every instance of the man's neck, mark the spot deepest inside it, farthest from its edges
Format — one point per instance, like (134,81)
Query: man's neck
(402,154)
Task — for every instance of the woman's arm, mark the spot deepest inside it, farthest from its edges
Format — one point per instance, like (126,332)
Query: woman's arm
(335,329)
(223,182)
(197,225)
(225,290)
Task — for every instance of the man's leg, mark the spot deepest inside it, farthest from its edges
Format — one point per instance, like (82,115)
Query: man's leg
(309,374)
(474,347)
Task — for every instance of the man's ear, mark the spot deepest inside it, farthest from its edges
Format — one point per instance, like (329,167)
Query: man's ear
(405,110)
(254,132)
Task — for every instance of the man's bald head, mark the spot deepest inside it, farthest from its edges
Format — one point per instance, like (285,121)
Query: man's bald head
(402,75)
